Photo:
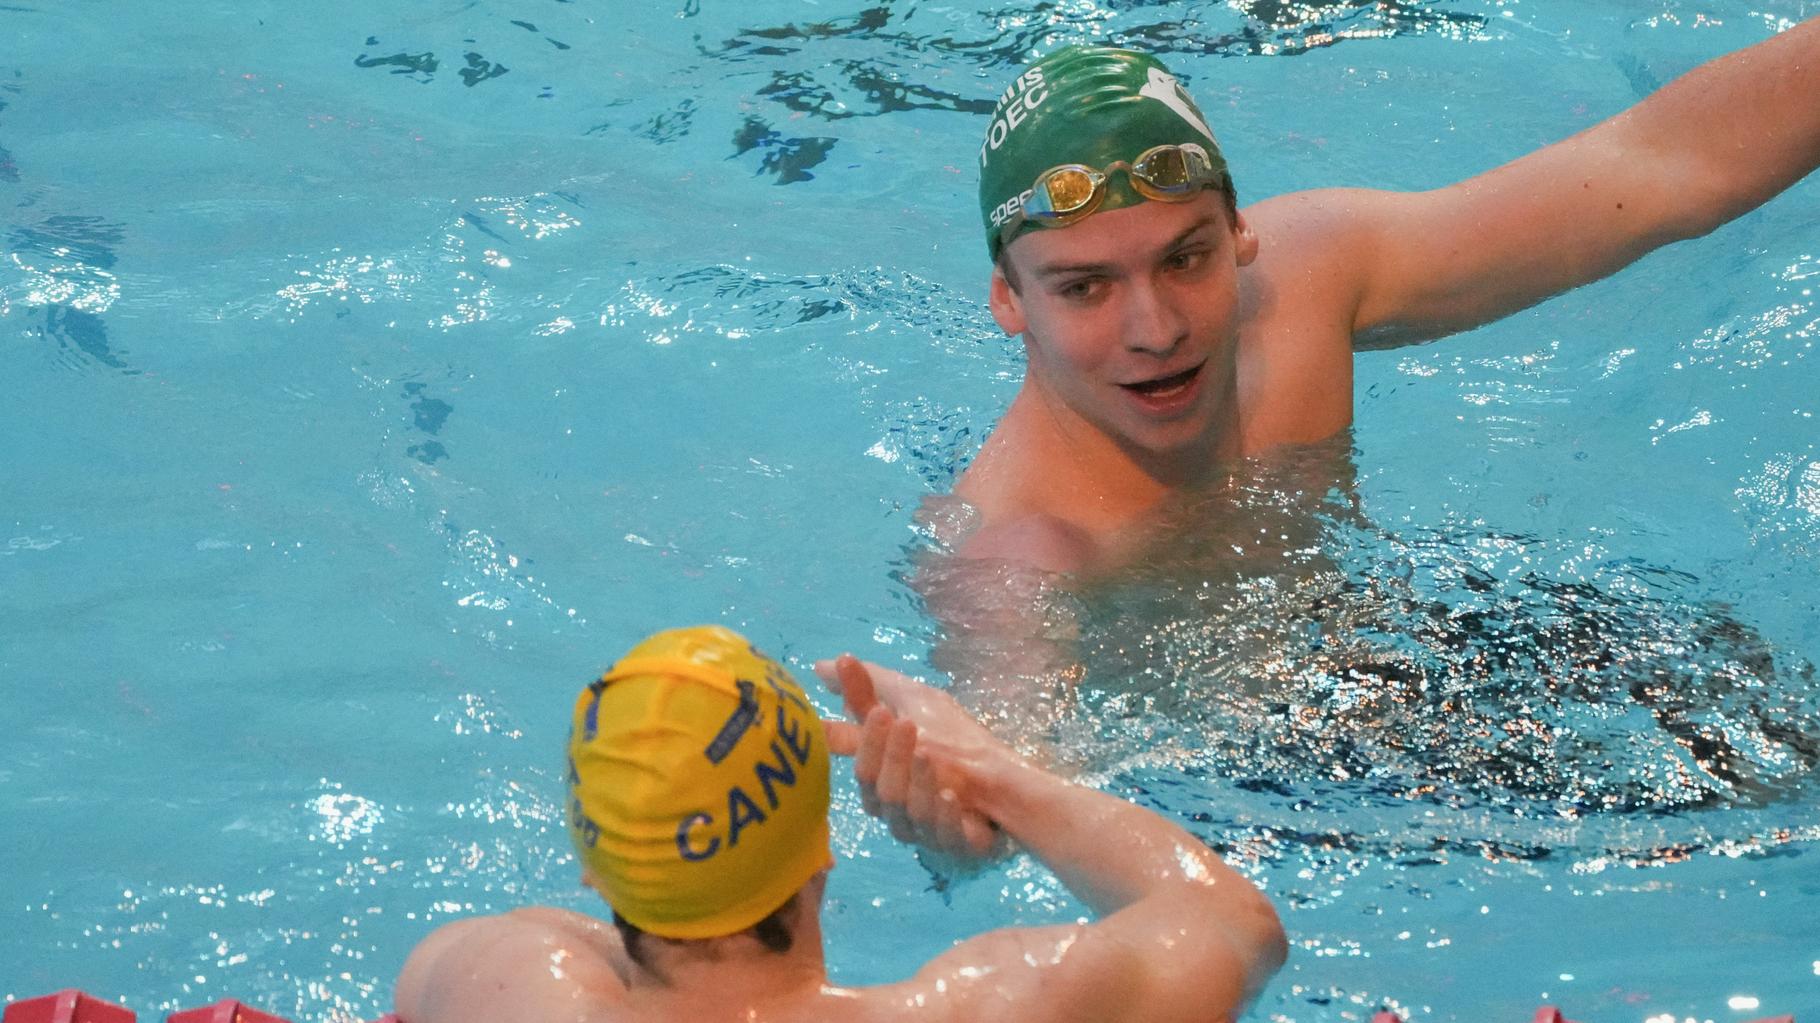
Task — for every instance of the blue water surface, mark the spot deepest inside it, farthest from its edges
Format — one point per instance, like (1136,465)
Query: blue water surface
(373,374)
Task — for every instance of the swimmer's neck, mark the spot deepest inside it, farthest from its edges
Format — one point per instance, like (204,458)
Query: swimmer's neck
(1045,459)
(710,975)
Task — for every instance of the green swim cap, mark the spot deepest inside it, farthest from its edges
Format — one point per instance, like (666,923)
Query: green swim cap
(1092,105)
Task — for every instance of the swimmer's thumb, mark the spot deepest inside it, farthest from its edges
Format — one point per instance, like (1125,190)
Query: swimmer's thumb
(847,676)
(856,687)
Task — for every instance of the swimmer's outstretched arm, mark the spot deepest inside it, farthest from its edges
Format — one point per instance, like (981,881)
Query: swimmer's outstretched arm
(1710,146)
(1180,935)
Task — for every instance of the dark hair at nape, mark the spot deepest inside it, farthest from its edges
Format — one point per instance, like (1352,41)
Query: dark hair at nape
(771,932)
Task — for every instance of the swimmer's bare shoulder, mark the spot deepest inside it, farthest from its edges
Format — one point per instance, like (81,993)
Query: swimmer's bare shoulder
(1066,973)
(1036,539)
(1300,301)
(536,963)
(1048,973)
(1016,495)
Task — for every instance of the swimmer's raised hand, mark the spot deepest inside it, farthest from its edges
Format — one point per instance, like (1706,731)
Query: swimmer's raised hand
(917,755)
(1180,937)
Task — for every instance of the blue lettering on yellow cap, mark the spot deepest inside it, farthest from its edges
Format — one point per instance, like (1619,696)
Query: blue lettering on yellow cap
(792,743)
(583,825)
(590,725)
(682,838)
(743,718)
(742,812)
(778,681)
(784,772)
(792,733)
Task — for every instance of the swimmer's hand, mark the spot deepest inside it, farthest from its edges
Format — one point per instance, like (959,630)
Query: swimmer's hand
(918,755)
(1180,935)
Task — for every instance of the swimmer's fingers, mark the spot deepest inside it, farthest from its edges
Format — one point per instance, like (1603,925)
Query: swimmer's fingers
(918,792)
(894,770)
(938,811)
(921,797)
(843,736)
(863,685)
(856,689)
(979,837)
(951,825)
(849,676)
(922,803)
(827,669)
(964,834)
(934,710)
(869,757)
(894,775)
(869,763)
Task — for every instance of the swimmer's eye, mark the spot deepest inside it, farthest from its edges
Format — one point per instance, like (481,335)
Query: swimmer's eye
(1186,259)
(1080,289)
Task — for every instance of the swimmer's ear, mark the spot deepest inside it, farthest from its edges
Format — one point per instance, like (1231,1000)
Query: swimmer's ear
(1007,308)
(1245,239)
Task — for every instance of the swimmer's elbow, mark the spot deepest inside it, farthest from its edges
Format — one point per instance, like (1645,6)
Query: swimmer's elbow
(1255,945)
(1694,196)
(1256,932)
(1269,944)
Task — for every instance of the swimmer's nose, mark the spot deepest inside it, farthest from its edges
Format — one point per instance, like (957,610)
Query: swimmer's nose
(1153,324)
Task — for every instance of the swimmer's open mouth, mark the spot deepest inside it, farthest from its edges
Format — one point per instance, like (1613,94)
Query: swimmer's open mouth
(1163,387)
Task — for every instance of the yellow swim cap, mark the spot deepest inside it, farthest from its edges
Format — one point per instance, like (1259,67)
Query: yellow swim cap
(698,784)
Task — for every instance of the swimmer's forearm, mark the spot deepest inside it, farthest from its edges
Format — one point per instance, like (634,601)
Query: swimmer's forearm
(1711,145)
(1112,854)
(1742,127)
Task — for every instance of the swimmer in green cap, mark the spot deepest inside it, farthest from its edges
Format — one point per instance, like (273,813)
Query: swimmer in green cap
(1168,330)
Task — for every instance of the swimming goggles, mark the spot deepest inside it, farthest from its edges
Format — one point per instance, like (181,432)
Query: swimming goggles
(1065,194)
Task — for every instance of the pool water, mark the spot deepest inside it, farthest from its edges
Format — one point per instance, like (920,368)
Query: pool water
(372,378)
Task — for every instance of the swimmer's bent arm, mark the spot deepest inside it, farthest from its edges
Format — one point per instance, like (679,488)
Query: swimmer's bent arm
(539,963)
(1181,936)
(1710,146)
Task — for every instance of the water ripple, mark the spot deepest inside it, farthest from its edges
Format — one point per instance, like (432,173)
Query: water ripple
(62,267)
(1418,693)
(1782,503)
(882,60)
(452,273)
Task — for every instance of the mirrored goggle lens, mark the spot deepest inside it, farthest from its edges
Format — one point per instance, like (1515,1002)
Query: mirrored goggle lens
(1171,168)
(1066,190)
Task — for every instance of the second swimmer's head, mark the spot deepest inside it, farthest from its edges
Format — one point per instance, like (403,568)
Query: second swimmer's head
(698,785)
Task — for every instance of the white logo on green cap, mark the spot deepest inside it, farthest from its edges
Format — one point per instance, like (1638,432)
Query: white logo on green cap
(1163,87)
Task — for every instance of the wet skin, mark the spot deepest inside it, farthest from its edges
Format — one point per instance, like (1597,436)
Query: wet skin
(1276,299)
(1133,326)
(1161,344)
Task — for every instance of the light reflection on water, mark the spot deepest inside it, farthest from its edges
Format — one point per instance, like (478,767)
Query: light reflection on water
(1406,694)
(385,385)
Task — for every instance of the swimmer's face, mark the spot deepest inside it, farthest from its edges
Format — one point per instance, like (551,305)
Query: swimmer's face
(1130,317)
